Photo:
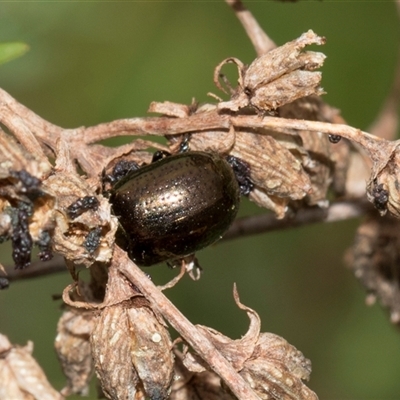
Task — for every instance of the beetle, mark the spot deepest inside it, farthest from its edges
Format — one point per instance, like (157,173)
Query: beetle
(175,206)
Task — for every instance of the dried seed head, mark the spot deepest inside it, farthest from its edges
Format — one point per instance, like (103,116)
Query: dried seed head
(151,350)
(37,206)
(26,210)
(132,352)
(72,346)
(383,188)
(285,166)
(274,368)
(374,261)
(21,378)
(71,233)
(111,346)
(278,77)
(204,385)
(325,164)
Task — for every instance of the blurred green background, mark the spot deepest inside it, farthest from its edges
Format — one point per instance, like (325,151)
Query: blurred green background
(92,62)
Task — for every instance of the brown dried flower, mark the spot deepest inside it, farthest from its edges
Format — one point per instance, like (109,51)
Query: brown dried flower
(21,378)
(72,345)
(132,352)
(374,259)
(110,343)
(273,368)
(197,386)
(70,234)
(25,208)
(278,77)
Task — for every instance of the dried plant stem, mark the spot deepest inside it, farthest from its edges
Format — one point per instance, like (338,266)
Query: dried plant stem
(25,124)
(214,121)
(387,121)
(366,140)
(37,269)
(260,40)
(183,326)
(338,211)
(20,119)
(157,126)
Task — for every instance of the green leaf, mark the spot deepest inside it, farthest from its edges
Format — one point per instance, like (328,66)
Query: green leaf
(11,50)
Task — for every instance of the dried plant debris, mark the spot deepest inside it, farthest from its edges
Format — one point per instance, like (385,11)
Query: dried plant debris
(77,214)
(274,369)
(278,77)
(151,350)
(73,349)
(21,378)
(383,188)
(79,341)
(383,183)
(132,353)
(358,170)
(205,385)
(55,212)
(25,208)
(111,354)
(374,259)
(325,163)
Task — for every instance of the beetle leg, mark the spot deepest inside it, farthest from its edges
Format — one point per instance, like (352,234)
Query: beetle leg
(160,155)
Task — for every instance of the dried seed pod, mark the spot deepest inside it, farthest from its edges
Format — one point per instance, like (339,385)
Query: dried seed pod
(72,346)
(273,168)
(71,234)
(273,367)
(285,89)
(374,261)
(111,345)
(26,210)
(197,386)
(283,59)
(21,378)
(132,352)
(383,186)
(276,370)
(325,164)
(278,77)
(151,350)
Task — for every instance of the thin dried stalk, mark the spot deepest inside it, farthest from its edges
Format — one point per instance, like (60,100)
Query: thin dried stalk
(260,40)
(179,322)
(387,121)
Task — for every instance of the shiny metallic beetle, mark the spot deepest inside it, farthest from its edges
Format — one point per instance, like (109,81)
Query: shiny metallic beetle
(173,207)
